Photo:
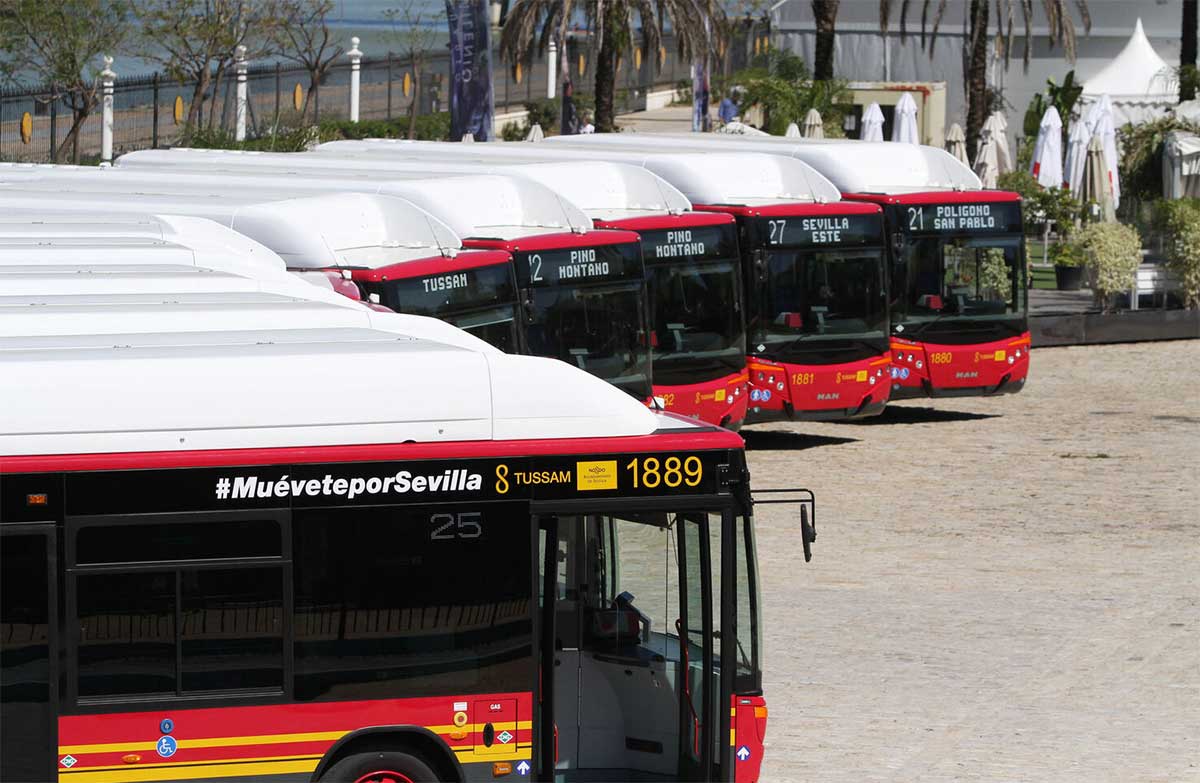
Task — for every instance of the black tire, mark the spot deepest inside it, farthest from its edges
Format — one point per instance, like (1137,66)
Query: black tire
(360,765)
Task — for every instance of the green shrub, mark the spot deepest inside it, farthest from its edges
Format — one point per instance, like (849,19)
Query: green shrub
(1041,204)
(1114,251)
(1066,253)
(1179,222)
(780,83)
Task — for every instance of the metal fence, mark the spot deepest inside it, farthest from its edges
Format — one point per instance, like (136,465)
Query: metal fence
(151,110)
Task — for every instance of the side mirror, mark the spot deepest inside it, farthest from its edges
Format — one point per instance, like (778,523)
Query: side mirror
(808,532)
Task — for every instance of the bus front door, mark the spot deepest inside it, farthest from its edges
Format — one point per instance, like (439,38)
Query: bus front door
(28,733)
(634,695)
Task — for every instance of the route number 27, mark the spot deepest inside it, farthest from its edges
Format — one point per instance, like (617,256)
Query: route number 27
(448,527)
(775,227)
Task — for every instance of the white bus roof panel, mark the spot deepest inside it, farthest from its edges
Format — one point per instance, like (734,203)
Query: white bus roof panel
(852,166)
(204,391)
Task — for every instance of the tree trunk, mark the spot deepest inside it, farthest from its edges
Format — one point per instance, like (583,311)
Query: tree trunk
(197,98)
(1187,52)
(78,117)
(977,88)
(825,16)
(414,106)
(606,77)
(216,95)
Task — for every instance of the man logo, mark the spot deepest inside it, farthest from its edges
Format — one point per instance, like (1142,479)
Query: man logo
(595,475)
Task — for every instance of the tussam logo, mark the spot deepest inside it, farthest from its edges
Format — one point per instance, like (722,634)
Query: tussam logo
(402,482)
(596,475)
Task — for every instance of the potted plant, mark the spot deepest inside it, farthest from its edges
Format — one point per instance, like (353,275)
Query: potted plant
(1069,260)
(1113,252)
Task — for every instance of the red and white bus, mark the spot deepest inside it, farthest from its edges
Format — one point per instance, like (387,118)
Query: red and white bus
(958,279)
(697,341)
(212,571)
(813,265)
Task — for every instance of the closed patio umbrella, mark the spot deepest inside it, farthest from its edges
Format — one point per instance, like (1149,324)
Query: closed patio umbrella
(904,124)
(872,123)
(813,127)
(535,133)
(987,161)
(996,126)
(1100,122)
(1077,144)
(956,143)
(793,131)
(1046,166)
(1097,188)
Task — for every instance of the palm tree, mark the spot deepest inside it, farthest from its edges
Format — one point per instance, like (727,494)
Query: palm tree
(1188,76)
(825,17)
(699,29)
(980,35)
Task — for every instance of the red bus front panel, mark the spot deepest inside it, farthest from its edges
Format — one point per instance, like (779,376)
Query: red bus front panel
(722,401)
(747,737)
(924,369)
(779,390)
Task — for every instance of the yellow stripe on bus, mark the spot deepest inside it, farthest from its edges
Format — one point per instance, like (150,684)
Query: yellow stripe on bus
(222,769)
(265,739)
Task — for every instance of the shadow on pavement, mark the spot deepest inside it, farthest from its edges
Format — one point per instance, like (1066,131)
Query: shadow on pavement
(902,414)
(782,440)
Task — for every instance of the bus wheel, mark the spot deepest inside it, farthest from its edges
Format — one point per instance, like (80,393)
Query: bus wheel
(380,767)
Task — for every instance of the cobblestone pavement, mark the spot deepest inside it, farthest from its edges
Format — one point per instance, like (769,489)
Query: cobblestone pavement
(1003,589)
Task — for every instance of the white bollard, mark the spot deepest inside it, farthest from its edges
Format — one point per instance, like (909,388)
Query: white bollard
(355,67)
(551,68)
(240,58)
(106,126)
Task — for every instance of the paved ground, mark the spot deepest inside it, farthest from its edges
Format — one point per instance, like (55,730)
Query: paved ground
(1003,590)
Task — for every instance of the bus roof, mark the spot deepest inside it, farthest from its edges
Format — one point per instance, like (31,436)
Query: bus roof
(604,190)
(700,178)
(175,391)
(318,230)
(852,166)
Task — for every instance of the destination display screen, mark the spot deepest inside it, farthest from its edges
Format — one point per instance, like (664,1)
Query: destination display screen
(579,265)
(817,230)
(701,243)
(372,483)
(998,217)
(451,291)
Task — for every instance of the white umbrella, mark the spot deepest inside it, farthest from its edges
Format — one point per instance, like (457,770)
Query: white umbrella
(1100,122)
(1077,142)
(793,131)
(956,143)
(813,127)
(740,129)
(996,126)
(904,123)
(872,123)
(1047,151)
(468,137)
(987,161)
(1097,187)
(535,133)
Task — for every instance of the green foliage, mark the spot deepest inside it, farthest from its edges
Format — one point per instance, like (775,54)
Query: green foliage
(1067,253)
(1042,204)
(1179,221)
(994,273)
(1141,158)
(1189,81)
(1062,97)
(1113,251)
(780,83)
(430,127)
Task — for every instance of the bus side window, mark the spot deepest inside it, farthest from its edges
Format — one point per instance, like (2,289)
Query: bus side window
(149,624)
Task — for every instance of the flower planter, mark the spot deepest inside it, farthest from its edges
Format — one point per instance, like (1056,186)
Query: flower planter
(1069,278)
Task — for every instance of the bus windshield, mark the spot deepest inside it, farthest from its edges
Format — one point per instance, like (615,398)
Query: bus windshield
(698,332)
(598,328)
(823,294)
(960,279)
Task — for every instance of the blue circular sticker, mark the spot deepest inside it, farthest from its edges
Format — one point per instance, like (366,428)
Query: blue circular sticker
(766,395)
(754,394)
(166,746)
(904,372)
(167,726)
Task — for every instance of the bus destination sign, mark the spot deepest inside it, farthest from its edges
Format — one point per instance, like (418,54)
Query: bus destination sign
(700,243)
(819,230)
(414,481)
(579,265)
(993,217)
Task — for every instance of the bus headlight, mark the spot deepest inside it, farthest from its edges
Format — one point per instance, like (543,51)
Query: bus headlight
(920,364)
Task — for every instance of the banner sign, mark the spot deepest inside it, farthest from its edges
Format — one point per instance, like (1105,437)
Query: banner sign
(700,119)
(818,230)
(579,265)
(471,101)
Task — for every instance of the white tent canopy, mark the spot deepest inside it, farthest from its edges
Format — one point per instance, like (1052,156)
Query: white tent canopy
(1141,84)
